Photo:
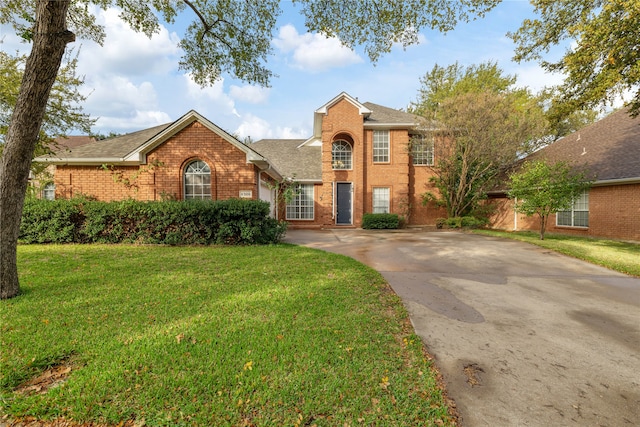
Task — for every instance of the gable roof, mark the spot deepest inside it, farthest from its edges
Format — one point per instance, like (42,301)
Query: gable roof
(292,158)
(608,150)
(132,148)
(373,116)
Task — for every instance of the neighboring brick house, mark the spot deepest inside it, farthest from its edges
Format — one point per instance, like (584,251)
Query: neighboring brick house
(609,151)
(190,158)
(358,160)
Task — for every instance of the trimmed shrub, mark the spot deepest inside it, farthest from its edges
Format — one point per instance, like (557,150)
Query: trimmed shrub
(169,222)
(380,221)
(460,222)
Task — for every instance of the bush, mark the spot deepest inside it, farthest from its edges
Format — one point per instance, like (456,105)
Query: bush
(168,222)
(460,222)
(380,221)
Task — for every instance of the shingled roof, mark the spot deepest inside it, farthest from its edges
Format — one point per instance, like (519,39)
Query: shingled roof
(292,158)
(609,149)
(385,116)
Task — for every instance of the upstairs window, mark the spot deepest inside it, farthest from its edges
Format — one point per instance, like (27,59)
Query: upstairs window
(422,150)
(341,155)
(577,215)
(197,181)
(380,146)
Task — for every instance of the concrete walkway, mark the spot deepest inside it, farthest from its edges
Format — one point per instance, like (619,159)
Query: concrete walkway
(523,336)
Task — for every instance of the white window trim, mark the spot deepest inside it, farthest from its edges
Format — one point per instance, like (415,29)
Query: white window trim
(375,207)
(333,161)
(184,183)
(584,197)
(295,204)
(374,148)
(422,140)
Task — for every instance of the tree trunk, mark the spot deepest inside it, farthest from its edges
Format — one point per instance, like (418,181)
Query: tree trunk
(50,37)
(543,225)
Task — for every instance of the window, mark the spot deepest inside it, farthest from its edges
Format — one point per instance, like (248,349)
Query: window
(49,191)
(577,215)
(197,181)
(422,150)
(301,207)
(341,155)
(380,146)
(380,200)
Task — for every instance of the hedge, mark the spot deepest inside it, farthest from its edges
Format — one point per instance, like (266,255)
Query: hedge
(380,221)
(231,221)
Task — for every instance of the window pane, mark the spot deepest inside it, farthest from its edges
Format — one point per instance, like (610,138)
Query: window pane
(301,207)
(380,146)
(197,181)
(49,191)
(422,150)
(341,155)
(380,200)
(578,215)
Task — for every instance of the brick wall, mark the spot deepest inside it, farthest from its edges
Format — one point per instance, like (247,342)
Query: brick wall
(230,172)
(614,212)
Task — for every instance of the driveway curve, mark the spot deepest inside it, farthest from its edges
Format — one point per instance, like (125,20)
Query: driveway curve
(522,336)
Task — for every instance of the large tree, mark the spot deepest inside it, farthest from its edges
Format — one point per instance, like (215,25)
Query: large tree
(603,58)
(481,124)
(225,37)
(541,189)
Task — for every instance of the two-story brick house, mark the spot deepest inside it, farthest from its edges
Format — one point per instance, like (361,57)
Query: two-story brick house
(361,158)
(358,160)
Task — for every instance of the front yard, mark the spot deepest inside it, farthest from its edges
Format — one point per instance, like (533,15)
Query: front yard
(203,336)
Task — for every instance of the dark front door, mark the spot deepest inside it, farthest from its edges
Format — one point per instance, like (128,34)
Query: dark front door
(343,198)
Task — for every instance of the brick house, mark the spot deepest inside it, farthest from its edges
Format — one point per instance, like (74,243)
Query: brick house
(609,151)
(190,158)
(358,160)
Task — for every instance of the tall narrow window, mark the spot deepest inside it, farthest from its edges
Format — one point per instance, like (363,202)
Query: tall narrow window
(301,206)
(49,191)
(380,200)
(422,150)
(197,181)
(577,215)
(380,146)
(341,155)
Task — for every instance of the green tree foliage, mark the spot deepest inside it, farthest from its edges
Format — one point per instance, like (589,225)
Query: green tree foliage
(226,36)
(481,125)
(542,189)
(64,111)
(602,61)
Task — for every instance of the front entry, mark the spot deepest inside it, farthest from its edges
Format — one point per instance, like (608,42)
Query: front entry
(343,200)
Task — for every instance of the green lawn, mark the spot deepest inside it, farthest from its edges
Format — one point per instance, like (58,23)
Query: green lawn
(616,255)
(211,336)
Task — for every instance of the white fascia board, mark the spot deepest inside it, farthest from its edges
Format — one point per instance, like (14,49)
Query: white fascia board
(344,95)
(619,181)
(389,125)
(86,161)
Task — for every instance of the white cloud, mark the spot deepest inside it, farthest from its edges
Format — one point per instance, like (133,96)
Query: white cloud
(314,52)
(258,128)
(137,120)
(249,94)
(209,97)
(128,52)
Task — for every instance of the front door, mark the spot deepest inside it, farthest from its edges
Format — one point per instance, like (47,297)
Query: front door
(343,200)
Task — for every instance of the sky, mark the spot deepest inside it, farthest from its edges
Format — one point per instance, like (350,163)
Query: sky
(133,82)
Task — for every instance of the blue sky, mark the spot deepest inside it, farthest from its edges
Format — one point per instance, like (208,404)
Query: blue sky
(134,83)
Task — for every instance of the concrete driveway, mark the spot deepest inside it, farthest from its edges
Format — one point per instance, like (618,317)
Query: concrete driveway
(522,336)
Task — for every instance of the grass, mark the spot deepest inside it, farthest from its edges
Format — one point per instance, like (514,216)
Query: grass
(212,336)
(616,255)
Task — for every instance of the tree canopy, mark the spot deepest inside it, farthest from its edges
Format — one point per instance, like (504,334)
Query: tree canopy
(481,124)
(603,59)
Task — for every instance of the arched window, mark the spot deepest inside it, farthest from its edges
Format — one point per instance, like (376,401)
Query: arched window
(197,181)
(341,155)
(49,191)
